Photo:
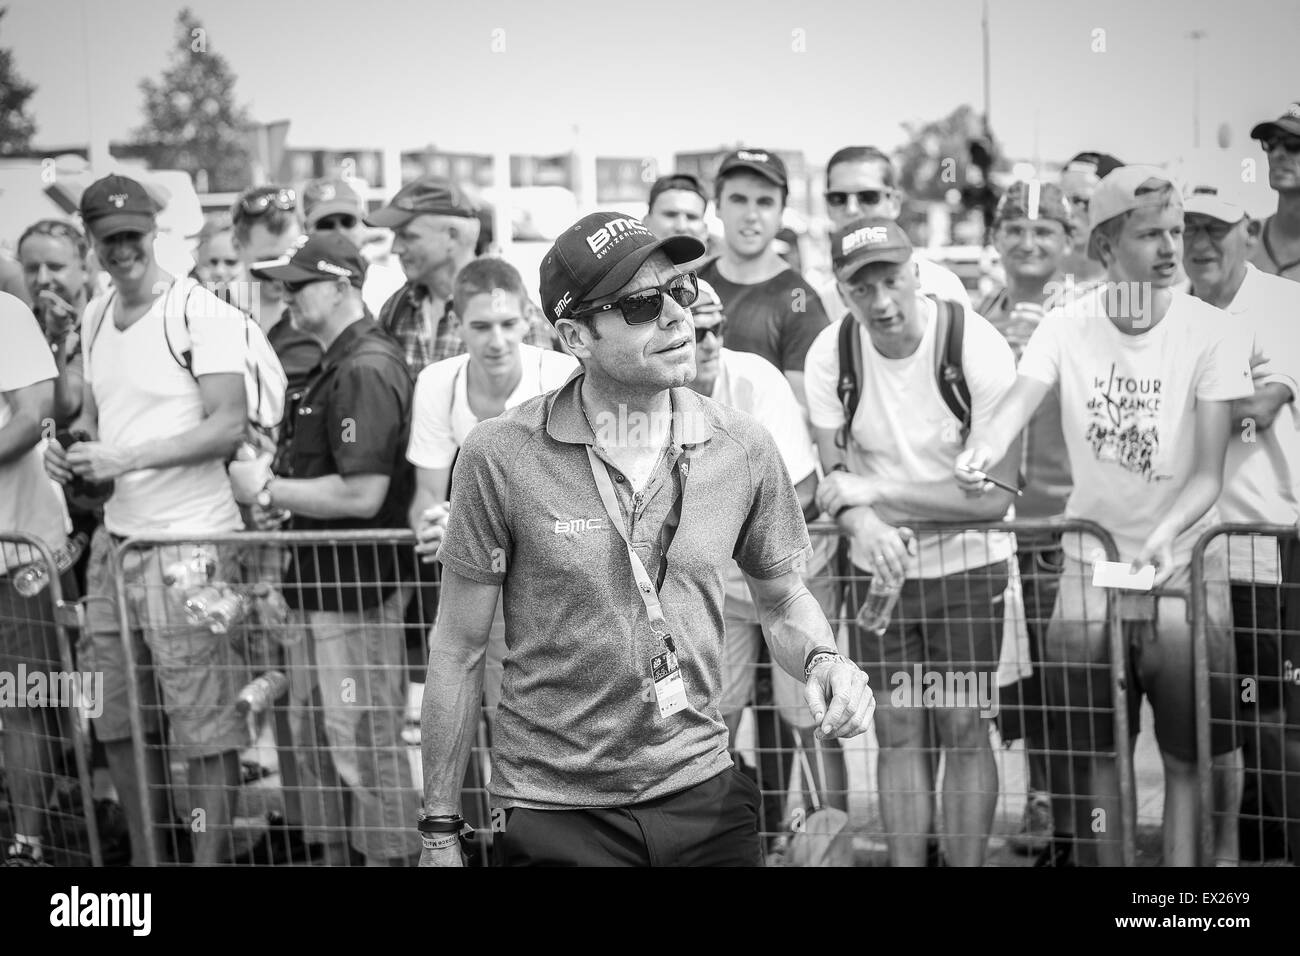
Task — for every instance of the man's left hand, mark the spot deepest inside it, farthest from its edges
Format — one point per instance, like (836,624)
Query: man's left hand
(1158,550)
(249,477)
(851,702)
(840,490)
(97,461)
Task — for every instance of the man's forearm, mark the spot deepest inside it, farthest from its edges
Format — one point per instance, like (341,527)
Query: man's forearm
(216,438)
(794,629)
(937,501)
(453,688)
(329,496)
(1200,493)
(19,436)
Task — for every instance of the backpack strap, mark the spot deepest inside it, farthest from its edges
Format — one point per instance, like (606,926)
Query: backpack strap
(849,387)
(951,378)
(186,358)
(99,324)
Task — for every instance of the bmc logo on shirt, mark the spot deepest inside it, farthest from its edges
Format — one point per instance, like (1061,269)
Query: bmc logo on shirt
(577,525)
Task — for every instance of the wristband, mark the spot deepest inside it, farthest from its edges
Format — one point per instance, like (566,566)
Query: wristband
(815,652)
(816,659)
(439,842)
(443,823)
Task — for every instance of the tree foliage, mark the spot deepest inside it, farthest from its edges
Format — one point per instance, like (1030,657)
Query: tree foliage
(16,125)
(936,157)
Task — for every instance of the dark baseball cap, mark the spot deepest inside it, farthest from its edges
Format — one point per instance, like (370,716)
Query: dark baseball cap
(764,162)
(596,257)
(867,240)
(322,197)
(117,204)
(325,255)
(1100,165)
(687,182)
(428,195)
(1288,122)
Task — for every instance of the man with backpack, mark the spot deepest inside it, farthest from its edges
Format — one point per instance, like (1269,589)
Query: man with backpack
(890,411)
(161,432)
(346,470)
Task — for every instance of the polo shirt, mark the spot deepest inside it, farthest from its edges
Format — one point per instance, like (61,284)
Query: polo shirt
(578,724)
(353,419)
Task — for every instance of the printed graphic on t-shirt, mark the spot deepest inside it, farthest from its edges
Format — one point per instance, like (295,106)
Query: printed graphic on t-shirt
(1123,426)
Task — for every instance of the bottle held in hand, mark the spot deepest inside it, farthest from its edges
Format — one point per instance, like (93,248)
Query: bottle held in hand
(259,694)
(82,493)
(882,595)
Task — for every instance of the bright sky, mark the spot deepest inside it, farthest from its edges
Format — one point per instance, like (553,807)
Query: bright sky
(651,78)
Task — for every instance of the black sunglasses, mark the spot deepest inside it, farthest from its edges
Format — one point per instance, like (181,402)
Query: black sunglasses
(866,197)
(1290,143)
(343,221)
(647,305)
(284,198)
(717,330)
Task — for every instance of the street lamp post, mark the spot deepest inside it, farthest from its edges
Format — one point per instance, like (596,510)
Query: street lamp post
(1196,36)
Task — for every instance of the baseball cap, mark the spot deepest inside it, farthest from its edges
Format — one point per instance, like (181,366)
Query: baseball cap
(1288,122)
(684,181)
(327,195)
(597,255)
(1206,201)
(1089,163)
(117,204)
(867,240)
(1033,199)
(1124,189)
(428,195)
(761,161)
(326,255)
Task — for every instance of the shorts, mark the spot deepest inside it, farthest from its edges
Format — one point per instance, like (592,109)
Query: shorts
(943,626)
(1158,640)
(1266,636)
(741,649)
(27,631)
(198,671)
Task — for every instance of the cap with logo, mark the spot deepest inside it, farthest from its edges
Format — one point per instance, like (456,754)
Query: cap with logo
(117,204)
(761,161)
(1125,189)
(325,255)
(1033,199)
(867,240)
(1206,201)
(596,257)
(1098,165)
(322,197)
(1288,122)
(428,195)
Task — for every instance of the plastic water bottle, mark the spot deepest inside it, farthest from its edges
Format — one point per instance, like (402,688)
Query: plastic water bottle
(193,572)
(882,595)
(35,578)
(260,693)
(219,608)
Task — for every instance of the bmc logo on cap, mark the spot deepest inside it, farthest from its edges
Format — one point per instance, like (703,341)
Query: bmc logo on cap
(613,230)
(866,236)
(118,199)
(749,157)
(563,303)
(323,266)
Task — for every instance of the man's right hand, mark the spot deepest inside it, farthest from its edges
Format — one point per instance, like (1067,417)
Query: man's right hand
(432,527)
(978,457)
(449,856)
(56,463)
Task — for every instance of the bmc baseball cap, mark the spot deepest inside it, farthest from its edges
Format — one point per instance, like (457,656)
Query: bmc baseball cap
(321,197)
(761,161)
(1125,189)
(428,195)
(597,255)
(117,204)
(865,241)
(1288,122)
(325,255)
(1206,201)
(1033,199)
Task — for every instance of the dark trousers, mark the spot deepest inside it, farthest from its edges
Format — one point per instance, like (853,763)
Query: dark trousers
(714,823)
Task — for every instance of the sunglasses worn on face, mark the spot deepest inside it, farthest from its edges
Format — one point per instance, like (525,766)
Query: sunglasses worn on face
(337,222)
(717,331)
(866,197)
(258,203)
(1290,143)
(1216,230)
(647,305)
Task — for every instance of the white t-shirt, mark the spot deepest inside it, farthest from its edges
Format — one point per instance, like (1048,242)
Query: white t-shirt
(1128,406)
(903,431)
(441,416)
(143,394)
(1260,473)
(29,501)
(934,280)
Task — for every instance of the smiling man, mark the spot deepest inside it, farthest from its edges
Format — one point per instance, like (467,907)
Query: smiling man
(605,542)
(1278,250)
(1147,376)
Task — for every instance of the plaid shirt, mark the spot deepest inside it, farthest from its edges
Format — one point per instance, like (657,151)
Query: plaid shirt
(403,316)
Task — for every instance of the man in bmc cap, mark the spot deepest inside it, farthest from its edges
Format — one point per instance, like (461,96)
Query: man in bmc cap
(601,511)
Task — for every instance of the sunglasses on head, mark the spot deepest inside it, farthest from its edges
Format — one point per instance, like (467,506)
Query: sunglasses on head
(717,329)
(284,198)
(647,305)
(341,221)
(1289,143)
(866,197)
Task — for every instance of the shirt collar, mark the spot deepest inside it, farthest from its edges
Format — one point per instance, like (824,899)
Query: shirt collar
(566,422)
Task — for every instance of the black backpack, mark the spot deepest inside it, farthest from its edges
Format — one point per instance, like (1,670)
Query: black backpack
(951,319)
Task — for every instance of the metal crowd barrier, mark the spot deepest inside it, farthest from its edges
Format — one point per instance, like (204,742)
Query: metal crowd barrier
(44,701)
(1264,674)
